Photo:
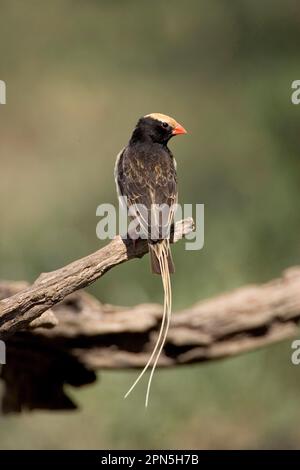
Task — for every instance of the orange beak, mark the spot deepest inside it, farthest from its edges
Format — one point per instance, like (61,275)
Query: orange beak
(178,129)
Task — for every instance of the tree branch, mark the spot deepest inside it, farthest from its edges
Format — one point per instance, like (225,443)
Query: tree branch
(91,336)
(21,309)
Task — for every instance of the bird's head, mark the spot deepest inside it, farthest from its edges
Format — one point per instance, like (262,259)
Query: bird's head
(157,127)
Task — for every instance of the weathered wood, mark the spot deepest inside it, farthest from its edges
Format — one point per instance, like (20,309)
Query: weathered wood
(91,336)
(21,309)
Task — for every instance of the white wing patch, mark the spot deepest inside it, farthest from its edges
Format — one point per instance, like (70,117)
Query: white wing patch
(116,173)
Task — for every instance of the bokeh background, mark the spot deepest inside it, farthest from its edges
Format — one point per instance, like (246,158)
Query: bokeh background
(79,73)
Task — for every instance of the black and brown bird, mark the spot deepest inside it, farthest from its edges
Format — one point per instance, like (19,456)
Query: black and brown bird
(145,174)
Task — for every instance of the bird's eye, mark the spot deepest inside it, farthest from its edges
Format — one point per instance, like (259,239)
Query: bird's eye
(165,125)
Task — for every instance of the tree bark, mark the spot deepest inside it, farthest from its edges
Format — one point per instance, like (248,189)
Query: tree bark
(89,336)
(21,309)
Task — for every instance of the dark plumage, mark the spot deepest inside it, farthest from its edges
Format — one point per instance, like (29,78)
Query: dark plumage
(145,173)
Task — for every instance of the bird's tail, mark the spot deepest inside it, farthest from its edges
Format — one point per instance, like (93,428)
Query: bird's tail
(161,263)
(154,259)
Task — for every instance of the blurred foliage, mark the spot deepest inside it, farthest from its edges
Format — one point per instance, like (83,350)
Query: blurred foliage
(79,74)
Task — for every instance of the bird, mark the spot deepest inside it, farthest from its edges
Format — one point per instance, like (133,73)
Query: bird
(146,178)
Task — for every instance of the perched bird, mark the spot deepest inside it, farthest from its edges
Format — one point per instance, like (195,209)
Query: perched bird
(145,173)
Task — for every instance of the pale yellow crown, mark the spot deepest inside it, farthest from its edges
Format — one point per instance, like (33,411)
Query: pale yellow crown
(163,118)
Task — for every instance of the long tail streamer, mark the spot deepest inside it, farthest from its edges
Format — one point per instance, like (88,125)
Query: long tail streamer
(162,252)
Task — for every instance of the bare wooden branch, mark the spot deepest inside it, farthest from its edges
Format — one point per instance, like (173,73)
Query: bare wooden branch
(18,311)
(229,324)
(91,336)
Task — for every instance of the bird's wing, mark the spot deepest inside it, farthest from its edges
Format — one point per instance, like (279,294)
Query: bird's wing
(149,184)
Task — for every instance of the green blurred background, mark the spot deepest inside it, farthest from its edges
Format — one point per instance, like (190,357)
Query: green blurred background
(79,73)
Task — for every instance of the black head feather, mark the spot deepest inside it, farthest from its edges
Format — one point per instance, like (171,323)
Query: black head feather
(150,129)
